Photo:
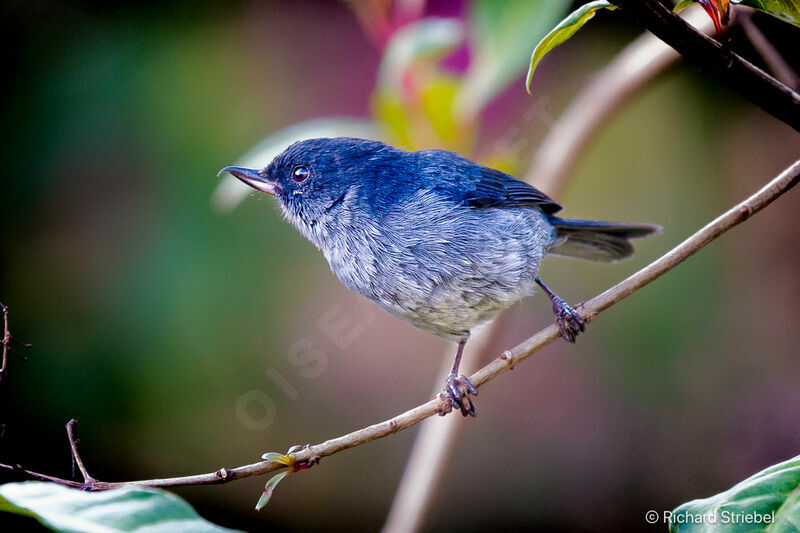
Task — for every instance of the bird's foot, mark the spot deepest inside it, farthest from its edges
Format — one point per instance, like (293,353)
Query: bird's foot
(569,321)
(457,389)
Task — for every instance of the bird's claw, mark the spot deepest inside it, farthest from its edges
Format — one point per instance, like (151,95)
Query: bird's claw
(569,321)
(458,390)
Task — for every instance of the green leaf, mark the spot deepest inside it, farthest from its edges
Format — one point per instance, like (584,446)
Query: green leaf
(563,31)
(269,488)
(426,120)
(275,457)
(230,192)
(126,509)
(683,4)
(786,10)
(409,80)
(437,104)
(503,31)
(391,113)
(771,500)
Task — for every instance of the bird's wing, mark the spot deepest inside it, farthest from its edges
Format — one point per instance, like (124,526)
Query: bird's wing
(492,188)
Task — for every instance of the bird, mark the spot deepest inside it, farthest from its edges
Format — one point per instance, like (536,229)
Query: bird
(430,236)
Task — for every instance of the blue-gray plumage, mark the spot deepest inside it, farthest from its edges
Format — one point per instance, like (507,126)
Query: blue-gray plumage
(429,236)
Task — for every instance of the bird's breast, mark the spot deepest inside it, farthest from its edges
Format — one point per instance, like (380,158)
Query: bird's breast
(442,267)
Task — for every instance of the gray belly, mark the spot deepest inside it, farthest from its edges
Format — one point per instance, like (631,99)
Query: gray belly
(444,268)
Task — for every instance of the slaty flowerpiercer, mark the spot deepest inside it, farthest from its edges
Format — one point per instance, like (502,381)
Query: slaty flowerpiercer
(431,237)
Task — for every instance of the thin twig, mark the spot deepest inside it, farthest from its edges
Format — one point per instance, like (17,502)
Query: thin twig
(41,477)
(697,241)
(76,457)
(718,60)
(6,343)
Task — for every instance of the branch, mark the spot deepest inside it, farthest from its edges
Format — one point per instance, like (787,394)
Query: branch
(6,343)
(727,66)
(710,232)
(76,457)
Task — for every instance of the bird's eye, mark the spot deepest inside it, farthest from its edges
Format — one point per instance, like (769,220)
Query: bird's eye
(300,174)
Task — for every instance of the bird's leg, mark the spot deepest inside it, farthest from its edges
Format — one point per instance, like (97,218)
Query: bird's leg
(569,321)
(457,388)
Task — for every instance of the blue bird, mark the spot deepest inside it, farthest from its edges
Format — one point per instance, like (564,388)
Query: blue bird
(431,237)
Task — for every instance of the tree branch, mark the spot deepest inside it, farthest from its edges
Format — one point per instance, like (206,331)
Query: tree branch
(710,232)
(717,60)
(6,343)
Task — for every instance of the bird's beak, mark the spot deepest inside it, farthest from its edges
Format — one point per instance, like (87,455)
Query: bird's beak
(253,178)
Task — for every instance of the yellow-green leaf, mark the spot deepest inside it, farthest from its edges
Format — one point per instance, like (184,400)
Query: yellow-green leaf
(437,104)
(565,29)
(269,488)
(786,10)
(392,115)
(275,457)
(683,4)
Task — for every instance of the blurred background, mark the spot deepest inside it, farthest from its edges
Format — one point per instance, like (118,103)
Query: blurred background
(174,332)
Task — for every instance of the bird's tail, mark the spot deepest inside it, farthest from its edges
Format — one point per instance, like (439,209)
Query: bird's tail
(597,241)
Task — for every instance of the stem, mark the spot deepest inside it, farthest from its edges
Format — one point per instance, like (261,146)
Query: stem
(6,341)
(76,457)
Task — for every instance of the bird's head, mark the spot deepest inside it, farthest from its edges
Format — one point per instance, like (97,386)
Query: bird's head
(316,179)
